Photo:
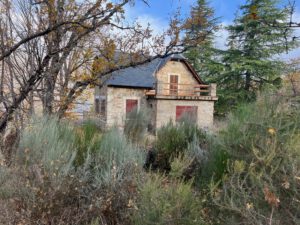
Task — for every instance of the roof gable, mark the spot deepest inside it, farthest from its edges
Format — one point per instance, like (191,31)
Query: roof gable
(143,76)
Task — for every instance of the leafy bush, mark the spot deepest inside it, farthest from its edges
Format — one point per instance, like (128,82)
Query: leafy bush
(175,139)
(163,201)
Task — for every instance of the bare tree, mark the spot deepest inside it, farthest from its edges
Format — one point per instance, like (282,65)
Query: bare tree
(47,41)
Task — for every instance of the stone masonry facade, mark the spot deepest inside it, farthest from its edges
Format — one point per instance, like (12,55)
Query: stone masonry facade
(161,109)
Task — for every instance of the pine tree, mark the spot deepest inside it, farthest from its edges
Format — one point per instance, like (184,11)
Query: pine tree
(257,36)
(203,21)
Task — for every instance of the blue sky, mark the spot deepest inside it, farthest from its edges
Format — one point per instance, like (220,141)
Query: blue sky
(159,11)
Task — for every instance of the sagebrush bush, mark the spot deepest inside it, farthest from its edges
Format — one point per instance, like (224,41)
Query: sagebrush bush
(50,188)
(49,146)
(136,125)
(114,157)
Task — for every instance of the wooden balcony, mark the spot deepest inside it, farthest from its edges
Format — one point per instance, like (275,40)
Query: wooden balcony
(183,91)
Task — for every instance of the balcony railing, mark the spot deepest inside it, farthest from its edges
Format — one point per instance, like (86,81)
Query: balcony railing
(168,89)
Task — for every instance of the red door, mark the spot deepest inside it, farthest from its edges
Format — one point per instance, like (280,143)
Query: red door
(173,84)
(131,106)
(188,111)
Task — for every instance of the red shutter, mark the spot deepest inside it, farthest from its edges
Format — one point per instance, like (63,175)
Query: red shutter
(173,84)
(190,111)
(131,104)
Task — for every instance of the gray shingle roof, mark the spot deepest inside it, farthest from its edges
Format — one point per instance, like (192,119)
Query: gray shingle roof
(142,76)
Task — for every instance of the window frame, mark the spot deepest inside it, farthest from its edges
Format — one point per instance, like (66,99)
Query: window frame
(170,84)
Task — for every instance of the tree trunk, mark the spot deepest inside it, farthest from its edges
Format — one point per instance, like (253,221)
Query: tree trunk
(31,82)
(55,16)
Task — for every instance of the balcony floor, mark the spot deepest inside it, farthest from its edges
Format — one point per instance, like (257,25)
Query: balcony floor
(181,97)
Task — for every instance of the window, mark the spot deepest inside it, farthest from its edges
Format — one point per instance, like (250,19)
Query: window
(102,106)
(97,105)
(187,111)
(173,84)
(131,106)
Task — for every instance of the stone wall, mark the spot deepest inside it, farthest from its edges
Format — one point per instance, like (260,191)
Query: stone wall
(116,104)
(185,77)
(166,111)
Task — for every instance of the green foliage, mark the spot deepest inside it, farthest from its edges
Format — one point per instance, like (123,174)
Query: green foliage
(6,188)
(47,186)
(163,201)
(204,56)
(136,125)
(261,184)
(173,139)
(88,139)
(248,173)
(49,145)
(114,157)
(179,165)
(257,35)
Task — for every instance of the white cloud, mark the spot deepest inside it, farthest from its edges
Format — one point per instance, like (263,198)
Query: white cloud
(158,25)
(221,36)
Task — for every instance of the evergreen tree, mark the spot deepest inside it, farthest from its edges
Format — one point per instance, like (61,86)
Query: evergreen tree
(257,36)
(203,21)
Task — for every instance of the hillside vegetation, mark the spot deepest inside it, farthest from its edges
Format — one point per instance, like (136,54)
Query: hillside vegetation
(248,173)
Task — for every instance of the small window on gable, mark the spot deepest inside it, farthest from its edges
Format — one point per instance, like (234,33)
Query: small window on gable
(189,112)
(173,84)
(131,106)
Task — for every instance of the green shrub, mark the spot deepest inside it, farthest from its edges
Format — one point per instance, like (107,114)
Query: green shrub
(115,156)
(176,139)
(87,140)
(49,146)
(49,188)
(163,201)
(179,165)
(6,188)
(261,185)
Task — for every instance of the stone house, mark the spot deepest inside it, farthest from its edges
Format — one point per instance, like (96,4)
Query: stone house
(167,88)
